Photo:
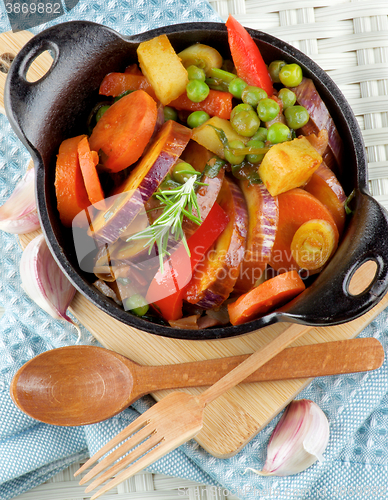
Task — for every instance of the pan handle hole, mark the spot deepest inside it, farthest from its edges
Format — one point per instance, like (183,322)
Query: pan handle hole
(39,66)
(362,278)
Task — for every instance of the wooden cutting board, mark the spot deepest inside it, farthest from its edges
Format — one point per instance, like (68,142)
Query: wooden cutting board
(236,417)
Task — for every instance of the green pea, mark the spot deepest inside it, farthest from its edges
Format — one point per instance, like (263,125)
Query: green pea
(252,95)
(296,116)
(234,159)
(274,68)
(245,123)
(261,134)
(236,87)
(268,109)
(240,107)
(197,118)
(252,157)
(197,90)
(287,97)
(278,132)
(101,111)
(195,73)
(182,172)
(170,113)
(136,304)
(291,75)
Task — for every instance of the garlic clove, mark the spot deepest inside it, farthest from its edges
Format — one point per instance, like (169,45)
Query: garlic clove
(43,280)
(298,440)
(19,215)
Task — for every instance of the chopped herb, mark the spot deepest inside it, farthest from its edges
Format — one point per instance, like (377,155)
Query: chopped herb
(178,202)
(348,200)
(213,167)
(221,135)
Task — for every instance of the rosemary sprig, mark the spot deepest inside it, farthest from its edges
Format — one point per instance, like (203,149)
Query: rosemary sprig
(179,202)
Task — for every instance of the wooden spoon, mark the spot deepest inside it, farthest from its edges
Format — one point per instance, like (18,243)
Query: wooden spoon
(80,385)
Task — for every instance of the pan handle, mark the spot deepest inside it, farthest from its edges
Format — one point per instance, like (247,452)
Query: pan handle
(329,300)
(83,52)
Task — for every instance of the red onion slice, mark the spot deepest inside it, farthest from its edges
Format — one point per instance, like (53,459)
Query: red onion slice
(263,219)
(307,95)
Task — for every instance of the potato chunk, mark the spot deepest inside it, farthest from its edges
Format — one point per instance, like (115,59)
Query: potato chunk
(289,165)
(207,136)
(163,68)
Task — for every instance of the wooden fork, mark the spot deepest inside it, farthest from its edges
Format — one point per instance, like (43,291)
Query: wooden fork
(171,422)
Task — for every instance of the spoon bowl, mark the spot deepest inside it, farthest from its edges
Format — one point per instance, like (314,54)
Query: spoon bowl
(79,385)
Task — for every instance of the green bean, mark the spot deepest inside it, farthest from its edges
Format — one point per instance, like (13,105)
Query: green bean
(136,304)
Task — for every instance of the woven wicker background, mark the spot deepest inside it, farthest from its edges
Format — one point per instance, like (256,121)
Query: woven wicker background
(348,39)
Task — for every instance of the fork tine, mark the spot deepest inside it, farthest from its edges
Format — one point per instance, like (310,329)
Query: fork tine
(135,426)
(133,441)
(162,449)
(154,440)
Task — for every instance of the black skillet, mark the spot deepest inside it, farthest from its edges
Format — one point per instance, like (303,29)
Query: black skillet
(56,107)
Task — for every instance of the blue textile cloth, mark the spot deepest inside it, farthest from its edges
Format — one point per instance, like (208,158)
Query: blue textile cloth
(356,459)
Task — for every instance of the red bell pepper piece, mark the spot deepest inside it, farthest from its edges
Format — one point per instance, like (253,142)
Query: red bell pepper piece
(246,57)
(217,103)
(167,289)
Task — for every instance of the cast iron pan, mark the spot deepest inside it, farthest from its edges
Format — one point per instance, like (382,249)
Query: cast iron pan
(46,112)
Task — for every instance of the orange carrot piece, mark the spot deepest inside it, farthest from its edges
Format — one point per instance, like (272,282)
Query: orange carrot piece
(115,84)
(296,207)
(217,103)
(133,69)
(266,297)
(88,160)
(124,130)
(70,189)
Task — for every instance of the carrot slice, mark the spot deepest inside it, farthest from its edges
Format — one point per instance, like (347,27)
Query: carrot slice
(70,189)
(124,130)
(295,208)
(88,160)
(217,103)
(265,297)
(115,84)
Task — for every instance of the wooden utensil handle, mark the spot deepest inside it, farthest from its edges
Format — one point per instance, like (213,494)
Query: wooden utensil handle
(253,362)
(327,358)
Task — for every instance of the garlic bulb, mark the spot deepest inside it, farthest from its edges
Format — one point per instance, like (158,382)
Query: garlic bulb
(298,440)
(44,281)
(18,215)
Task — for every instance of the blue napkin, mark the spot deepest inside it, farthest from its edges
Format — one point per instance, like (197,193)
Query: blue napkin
(356,459)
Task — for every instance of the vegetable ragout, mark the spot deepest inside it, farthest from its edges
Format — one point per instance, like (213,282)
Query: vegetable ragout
(207,185)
